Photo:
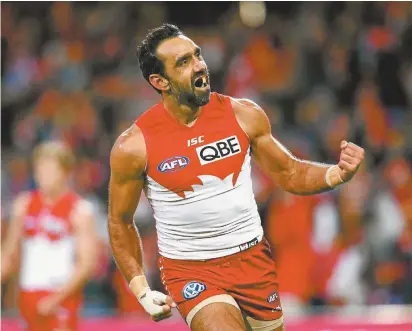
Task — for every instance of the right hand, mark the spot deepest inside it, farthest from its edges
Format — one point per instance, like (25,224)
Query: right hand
(157,304)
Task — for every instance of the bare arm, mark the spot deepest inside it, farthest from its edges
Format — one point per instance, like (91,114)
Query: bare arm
(127,161)
(11,246)
(292,174)
(86,249)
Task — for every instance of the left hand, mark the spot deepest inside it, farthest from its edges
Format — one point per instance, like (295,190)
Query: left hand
(351,157)
(48,305)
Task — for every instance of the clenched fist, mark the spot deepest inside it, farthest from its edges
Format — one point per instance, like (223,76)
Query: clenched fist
(351,157)
(157,304)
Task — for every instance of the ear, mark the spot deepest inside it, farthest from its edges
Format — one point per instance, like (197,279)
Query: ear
(159,82)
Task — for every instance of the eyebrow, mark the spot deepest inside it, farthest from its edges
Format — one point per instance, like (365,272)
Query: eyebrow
(186,55)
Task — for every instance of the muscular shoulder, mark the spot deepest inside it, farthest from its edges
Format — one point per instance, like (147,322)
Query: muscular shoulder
(251,117)
(128,155)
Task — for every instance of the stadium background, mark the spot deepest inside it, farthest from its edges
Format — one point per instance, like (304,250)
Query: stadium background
(322,71)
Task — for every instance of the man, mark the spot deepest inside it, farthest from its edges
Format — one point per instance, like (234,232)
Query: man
(191,155)
(52,229)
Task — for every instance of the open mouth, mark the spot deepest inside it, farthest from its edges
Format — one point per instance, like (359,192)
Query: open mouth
(201,82)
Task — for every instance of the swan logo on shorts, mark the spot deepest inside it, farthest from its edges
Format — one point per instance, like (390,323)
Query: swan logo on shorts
(218,150)
(272,297)
(193,289)
(173,164)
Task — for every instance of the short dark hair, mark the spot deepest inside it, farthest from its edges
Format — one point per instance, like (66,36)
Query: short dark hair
(146,51)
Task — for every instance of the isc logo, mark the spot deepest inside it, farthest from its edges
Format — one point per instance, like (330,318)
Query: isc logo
(173,164)
(218,150)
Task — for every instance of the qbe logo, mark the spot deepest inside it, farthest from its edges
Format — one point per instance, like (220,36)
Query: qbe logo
(192,290)
(218,150)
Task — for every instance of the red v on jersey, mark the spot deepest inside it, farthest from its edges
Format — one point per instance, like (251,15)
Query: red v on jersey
(53,221)
(177,155)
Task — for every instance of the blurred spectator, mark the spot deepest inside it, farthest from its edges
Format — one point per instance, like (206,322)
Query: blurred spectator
(289,230)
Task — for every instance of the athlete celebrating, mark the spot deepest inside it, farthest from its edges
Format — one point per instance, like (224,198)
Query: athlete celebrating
(191,155)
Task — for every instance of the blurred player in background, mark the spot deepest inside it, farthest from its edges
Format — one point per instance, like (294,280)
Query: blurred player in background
(191,154)
(52,232)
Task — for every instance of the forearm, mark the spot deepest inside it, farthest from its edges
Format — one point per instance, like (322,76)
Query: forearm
(8,264)
(76,282)
(307,177)
(126,246)
(9,255)
(10,252)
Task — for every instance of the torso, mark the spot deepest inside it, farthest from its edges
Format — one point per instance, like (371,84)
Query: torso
(198,182)
(48,248)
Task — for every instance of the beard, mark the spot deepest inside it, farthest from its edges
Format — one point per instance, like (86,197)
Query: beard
(198,99)
(190,96)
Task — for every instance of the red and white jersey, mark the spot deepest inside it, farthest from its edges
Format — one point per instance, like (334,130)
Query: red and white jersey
(48,247)
(198,181)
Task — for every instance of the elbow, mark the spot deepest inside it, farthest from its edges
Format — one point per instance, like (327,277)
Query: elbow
(288,187)
(85,270)
(89,268)
(292,187)
(294,177)
(94,258)
(88,271)
(90,263)
(115,228)
(286,180)
(290,183)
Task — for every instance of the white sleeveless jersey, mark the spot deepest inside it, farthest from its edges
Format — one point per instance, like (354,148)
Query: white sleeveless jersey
(48,247)
(198,181)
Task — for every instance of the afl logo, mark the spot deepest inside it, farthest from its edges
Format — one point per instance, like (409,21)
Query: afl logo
(272,297)
(192,290)
(173,164)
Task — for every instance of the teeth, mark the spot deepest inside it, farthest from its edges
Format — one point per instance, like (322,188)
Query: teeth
(201,82)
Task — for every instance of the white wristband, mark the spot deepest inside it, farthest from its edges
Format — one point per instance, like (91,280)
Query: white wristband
(332,176)
(139,286)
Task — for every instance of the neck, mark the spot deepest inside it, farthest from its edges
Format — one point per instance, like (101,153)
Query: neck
(54,194)
(184,114)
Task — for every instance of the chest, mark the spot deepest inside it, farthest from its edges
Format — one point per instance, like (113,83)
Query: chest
(200,147)
(180,159)
(45,222)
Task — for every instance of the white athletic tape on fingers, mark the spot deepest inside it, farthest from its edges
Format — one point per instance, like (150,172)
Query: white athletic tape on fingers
(159,298)
(152,301)
(332,176)
(149,303)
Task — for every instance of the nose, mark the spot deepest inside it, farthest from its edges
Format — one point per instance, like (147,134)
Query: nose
(199,66)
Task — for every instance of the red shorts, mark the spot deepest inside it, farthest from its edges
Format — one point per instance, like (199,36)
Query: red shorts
(64,318)
(248,276)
